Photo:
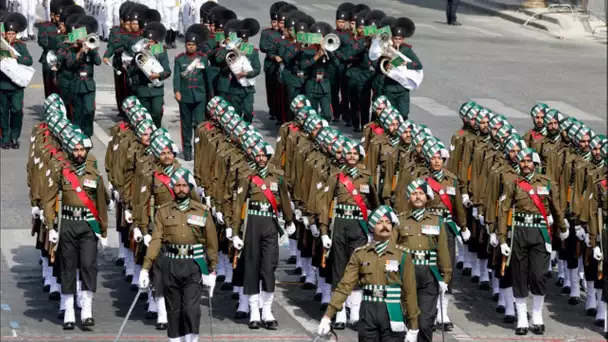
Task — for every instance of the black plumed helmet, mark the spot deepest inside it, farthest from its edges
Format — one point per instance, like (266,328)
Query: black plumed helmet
(387,21)
(357,9)
(89,22)
(72,21)
(251,27)
(152,15)
(343,11)
(123,10)
(403,27)
(224,16)
(274,9)
(155,31)
(205,9)
(360,17)
(284,10)
(69,10)
(197,33)
(56,5)
(232,26)
(321,27)
(374,18)
(15,22)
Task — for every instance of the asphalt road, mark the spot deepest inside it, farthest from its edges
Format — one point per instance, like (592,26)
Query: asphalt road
(499,64)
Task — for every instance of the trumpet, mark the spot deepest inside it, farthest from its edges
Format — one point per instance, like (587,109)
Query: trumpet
(91,41)
(331,43)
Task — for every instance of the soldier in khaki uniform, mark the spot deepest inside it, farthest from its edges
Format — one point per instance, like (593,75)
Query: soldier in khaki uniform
(385,270)
(394,172)
(382,147)
(258,237)
(426,240)
(85,218)
(535,137)
(184,232)
(530,206)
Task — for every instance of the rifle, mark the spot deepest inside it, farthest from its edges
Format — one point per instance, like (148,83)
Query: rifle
(58,205)
(395,177)
(600,227)
(244,217)
(331,228)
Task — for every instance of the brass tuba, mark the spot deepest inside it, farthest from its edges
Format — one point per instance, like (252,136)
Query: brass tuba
(52,60)
(389,54)
(146,62)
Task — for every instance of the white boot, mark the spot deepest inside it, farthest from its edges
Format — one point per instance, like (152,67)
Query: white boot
(254,308)
(221,266)
(560,269)
(87,305)
(601,309)
(162,310)
(501,298)
(459,253)
(191,338)
(566,275)
(261,300)
(293,247)
(129,264)
(509,304)
(341,315)
(121,248)
(495,286)
(55,287)
(326,298)
(355,305)
(47,271)
(311,272)
(267,298)
(136,271)
(591,302)
(468,258)
(484,274)
(537,309)
(228,270)
(67,301)
(152,305)
(575,289)
(320,284)
(178,339)
(476,266)
(522,312)
(243,301)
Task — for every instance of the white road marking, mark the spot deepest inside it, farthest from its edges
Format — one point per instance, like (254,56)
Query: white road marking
(572,111)
(482,31)
(432,106)
(501,108)
(433,27)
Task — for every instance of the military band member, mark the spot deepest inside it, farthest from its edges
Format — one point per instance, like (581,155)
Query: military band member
(269,41)
(47,31)
(339,82)
(191,85)
(425,238)
(11,94)
(185,233)
(530,206)
(151,96)
(385,271)
(85,221)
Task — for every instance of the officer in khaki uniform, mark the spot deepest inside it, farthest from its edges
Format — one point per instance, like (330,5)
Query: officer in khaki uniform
(385,271)
(191,85)
(184,232)
(11,94)
(530,206)
(85,219)
(535,137)
(382,147)
(394,172)
(425,238)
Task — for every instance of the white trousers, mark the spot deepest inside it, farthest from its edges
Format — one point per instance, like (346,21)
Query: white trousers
(170,17)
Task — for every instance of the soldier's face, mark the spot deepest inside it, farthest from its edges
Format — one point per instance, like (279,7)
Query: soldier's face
(281,25)
(381,107)
(526,165)
(134,26)
(339,153)
(79,154)
(181,189)
(274,24)
(145,137)
(360,31)
(190,47)
(584,143)
(392,127)
(483,125)
(539,119)
(473,122)
(352,157)
(406,137)
(340,24)
(166,157)
(397,41)
(553,126)
(418,199)
(352,25)
(383,229)
(596,152)
(495,129)
(315,131)
(513,153)
(419,148)
(436,162)
(10,36)
(62,27)
(261,159)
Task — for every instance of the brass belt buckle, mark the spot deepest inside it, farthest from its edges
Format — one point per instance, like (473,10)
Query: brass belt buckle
(264,206)
(77,213)
(377,293)
(348,212)
(182,251)
(420,255)
(528,219)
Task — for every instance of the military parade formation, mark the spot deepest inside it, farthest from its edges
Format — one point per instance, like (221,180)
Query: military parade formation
(377,222)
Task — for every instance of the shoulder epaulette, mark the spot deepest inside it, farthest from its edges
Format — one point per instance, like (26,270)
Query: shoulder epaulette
(402,248)
(166,205)
(408,45)
(363,247)
(181,54)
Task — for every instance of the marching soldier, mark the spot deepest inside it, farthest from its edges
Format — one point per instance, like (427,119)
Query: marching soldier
(11,94)
(423,235)
(191,85)
(147,88)
(292,77)
(269,41)
(81,62)
(85,220)
(45,31)
(529,205)
(170,16)
(395,92)
(385,271)
(339,82)
(185,234)
(239,88)
(535,137)
(258,236)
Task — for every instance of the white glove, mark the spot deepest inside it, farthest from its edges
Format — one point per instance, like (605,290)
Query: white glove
(147,239)
(293,206)
(550,220)
(566,223)
(103,242)
(324,326)
(111,205)
(597,254)
(290,228)
(493,240)
(213,212)
(53,236)
(443,287)
(458,237)
(563,236)
(466,234)
(219,217)
(228,233)
(580,232)
(137,235)
(42,217)
(208,200)
(305,222)
(326,241)
(209,281)
(411,336)
(466,201)
(298,214)
(314,230)
(128,216)
(482,220)
(237,242)
(111,187)
(587,242)
(200,192)
(505,249)
(553,255)
(475,213)
(116,195)
(144,279)
(35,212)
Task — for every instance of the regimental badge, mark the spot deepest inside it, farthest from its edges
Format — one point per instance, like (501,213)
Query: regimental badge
(274,186)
